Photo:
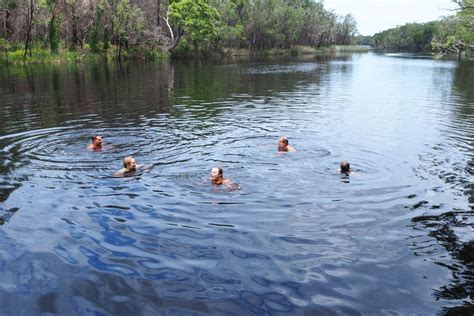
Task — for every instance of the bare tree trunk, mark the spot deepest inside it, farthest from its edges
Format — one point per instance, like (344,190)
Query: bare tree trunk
(75,37)
(29,27)
(74,20)
(158,12)
(5,35)
(174,39)
(240,13)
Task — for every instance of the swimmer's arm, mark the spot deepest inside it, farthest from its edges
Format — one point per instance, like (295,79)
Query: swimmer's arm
(145,168)
(119,173)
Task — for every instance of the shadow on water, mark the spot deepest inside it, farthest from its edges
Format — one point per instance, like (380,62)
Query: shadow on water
(446,230)
(453,230)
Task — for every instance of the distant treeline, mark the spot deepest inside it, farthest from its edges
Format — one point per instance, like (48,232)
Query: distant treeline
(148,28)
(450,35)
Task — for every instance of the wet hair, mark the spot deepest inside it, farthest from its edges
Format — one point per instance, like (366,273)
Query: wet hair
(221,172)
(126,161)
(284,139)
(93,137)
(345,167)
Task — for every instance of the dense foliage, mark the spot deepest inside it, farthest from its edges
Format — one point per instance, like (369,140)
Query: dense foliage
(452,34)
(413,37)
(149,27)
(456,33)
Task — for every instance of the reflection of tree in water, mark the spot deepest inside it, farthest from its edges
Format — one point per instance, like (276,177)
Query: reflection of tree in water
(53,94)
(201,82)
(7,183)
(442,228)
(41,96)
(464,82)
(453,230)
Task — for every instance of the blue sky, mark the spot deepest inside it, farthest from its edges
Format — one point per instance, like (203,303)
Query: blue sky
(377,15)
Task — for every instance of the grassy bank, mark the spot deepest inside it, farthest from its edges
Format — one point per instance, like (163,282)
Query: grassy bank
(350,48)
(39,55)
(297,50)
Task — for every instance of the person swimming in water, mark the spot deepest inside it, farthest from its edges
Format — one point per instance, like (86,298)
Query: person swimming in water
(283,145)
(96,143)
(129,167)
(217,177)
(345,168)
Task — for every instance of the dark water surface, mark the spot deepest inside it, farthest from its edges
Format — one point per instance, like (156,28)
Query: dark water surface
(396,237)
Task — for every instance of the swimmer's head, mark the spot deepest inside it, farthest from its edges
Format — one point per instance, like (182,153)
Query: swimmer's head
(283,144)
(345,167)
(217,173)
(129,163)
(96,140)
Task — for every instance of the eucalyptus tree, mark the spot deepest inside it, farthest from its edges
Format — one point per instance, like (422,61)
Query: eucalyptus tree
(259,30)
(193,20)
(240,7)
(74,12)
(289,22)
(30,8)
(8,7)
(128,22)
(98,31)
(230,26)
(54,25)
(347,30)
(457,33)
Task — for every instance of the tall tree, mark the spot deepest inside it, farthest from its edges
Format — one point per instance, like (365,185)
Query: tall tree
(30,16)
(457,35)
(195,20)
(54,25)
(128,21)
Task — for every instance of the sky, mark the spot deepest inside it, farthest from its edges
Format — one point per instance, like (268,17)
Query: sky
(378,15)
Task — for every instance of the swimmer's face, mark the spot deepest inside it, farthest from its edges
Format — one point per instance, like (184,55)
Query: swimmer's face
(215,174)
(131,164)
(282,144)
(97,141)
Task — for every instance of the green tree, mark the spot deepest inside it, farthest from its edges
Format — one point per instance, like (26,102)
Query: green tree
(128,21)
(54,26)
(456,34)
(193,19)
(31,9)
(97,29)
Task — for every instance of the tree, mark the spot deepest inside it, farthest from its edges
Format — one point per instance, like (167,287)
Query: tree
(8,7)
(347,30)
(194,19)
(97,30)
(457,33)
(128,21)
(74,8)
(30,16)
(53,26)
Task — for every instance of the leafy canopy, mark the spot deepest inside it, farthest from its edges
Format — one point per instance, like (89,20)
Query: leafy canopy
(196,19)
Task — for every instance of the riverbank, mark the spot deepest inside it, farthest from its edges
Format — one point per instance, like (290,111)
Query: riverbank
(65,56)
(296,51)
(14,56)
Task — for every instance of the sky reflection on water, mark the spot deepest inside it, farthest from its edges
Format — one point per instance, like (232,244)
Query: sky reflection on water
(296,238)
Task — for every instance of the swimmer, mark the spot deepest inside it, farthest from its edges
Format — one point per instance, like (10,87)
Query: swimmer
(283,145)
(345,168)
(96,143)
(129,167)
(217,177)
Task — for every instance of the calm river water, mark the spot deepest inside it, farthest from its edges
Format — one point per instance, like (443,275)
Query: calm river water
(395,237)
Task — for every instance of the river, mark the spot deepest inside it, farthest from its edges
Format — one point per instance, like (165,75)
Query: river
(293,237)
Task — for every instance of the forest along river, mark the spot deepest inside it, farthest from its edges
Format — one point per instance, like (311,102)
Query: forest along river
(296,238)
